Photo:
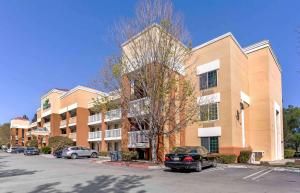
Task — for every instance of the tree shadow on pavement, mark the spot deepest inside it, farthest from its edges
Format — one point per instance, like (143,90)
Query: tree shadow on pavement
(15,172)
(100,184)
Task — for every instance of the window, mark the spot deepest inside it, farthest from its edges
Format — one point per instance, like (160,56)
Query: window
(211,144)
(209,112)
(208,80)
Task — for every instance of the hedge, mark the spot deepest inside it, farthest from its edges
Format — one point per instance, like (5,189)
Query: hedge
(226,159)
(129,155)
(103,153)
(289,153)
(244,156)
(46,150)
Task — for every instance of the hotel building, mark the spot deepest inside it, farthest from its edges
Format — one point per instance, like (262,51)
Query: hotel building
(242,85)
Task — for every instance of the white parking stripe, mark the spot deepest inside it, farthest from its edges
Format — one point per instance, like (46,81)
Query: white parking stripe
(255,173)
(262,174)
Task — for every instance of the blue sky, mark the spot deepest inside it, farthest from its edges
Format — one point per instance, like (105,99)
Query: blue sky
(64,43)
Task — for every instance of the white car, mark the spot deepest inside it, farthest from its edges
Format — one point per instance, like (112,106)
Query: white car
(75,152)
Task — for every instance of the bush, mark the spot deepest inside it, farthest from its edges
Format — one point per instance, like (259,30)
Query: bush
(32,142)
(289,153)
(244,156)
(226,159)
(129,155)
(59,142)
(103,153)
(46,150)
(264,163)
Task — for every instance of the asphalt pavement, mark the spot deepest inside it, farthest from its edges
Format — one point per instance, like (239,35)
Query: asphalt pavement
(40,174)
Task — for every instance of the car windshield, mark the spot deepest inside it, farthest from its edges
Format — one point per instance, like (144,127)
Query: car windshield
(30,148)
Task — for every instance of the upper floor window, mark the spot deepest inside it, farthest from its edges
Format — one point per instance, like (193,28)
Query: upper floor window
(208,80)
(209,112)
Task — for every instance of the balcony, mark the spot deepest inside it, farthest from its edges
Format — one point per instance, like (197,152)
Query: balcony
(137,139)
(72,136)
(63,135)
(113,115)
(72,121)
(138,107)
(95,119)
(28,133)
(47,125)
(40,131)
(95,136)
(113,134)
(33,124)
(63,123)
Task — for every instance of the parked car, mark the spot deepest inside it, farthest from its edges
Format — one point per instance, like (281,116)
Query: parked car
(190,157)
(31,151)
(75,152)
(58,153)
(297,154)
(17,150)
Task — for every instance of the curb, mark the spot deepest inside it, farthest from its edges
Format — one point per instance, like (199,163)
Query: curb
(279,169)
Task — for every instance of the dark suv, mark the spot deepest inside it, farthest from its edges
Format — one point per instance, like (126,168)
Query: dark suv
(190,157)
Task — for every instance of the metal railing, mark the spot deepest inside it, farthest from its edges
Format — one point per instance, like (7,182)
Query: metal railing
(95,118)
(113,115)
(138,139)
(113,134)
(72,136)
(138,107)
(63,123)
(47,125)
(72,120)
(95,135)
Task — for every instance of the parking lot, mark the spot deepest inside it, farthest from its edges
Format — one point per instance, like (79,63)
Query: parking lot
(39,174)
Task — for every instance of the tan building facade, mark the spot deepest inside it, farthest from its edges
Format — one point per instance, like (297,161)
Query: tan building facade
(242,107)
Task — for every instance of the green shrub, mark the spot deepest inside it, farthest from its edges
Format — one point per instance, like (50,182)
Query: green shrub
(46,150)
(226,159)
(59,142)
(244,156)
(289,153)
(129,155)
(103,153)
(264,163)
(33,142)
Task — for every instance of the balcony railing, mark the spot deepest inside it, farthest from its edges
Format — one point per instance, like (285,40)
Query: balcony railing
(93,119)
(40,131)
(138,139)
(63,123)
(95,136)
(72,136)
(138,107)
(63,135)
(28,133)
(113,134)
(47,125)
(113,115)
(72,121)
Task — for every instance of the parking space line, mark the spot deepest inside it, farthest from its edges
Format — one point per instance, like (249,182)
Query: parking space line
(255,173)
(261,174)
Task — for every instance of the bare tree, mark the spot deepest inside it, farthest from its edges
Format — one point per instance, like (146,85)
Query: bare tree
(149,73)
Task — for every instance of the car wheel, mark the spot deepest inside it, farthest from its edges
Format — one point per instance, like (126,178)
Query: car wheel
(74,156)
(214,164)
(199,167)
(93,155)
